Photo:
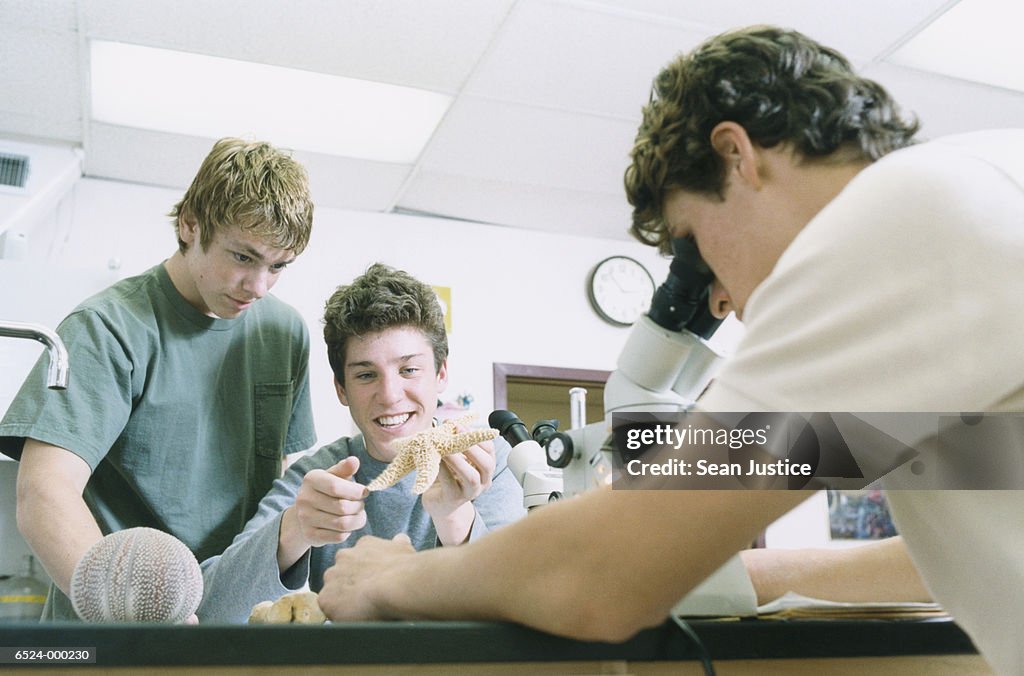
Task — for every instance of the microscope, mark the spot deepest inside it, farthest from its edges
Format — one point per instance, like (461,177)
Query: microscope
(664,366)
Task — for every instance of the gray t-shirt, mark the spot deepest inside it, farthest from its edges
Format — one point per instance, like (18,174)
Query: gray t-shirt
(247,572)
(182,417)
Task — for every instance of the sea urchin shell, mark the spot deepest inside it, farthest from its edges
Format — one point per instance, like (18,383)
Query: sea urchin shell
(137,575)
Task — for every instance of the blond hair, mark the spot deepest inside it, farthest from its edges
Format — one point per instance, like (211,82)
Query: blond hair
(253,186)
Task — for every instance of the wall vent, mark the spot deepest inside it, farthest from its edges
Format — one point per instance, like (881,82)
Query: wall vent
(13,170)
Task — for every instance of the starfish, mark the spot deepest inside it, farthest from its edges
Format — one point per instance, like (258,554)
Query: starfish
(423,450)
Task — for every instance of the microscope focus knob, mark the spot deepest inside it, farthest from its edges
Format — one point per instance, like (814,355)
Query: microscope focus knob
(559,450)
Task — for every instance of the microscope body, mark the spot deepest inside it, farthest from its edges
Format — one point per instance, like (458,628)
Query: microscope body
(664,366)
(658,371)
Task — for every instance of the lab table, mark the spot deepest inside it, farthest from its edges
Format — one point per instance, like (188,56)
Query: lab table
(733,646)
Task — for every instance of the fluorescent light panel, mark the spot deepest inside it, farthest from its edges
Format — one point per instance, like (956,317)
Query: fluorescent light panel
(196,95)
(977,40)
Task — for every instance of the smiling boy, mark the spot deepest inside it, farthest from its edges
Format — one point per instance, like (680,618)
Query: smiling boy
(387,346)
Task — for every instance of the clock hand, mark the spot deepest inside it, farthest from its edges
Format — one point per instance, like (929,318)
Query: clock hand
(616,282)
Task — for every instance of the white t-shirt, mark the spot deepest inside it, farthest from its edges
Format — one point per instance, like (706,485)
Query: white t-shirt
(906,294)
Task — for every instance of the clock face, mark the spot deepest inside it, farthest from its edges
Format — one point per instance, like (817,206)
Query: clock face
(621,289)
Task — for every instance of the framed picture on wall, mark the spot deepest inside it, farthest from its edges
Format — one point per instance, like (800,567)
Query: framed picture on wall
(859,515)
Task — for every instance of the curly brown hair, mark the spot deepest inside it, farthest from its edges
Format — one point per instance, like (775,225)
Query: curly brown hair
(781,87)
(379,299)
(251,185)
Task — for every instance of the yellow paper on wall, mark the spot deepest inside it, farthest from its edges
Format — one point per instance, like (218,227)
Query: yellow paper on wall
(444,297)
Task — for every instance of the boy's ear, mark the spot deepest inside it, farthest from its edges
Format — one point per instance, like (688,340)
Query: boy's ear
(733,145)
(340,390)
(188,229)
(442,376)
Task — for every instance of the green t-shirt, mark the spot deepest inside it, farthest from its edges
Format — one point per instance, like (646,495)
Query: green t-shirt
(183,417)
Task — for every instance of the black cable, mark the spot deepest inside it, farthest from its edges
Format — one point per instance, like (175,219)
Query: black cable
(702,651)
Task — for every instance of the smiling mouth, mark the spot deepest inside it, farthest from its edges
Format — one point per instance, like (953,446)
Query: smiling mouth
(391,421)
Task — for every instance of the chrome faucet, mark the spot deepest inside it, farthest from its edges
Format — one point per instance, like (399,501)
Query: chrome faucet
(57,375)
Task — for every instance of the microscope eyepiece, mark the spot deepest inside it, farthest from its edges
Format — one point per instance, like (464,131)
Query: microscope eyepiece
(509,426)
(681,302)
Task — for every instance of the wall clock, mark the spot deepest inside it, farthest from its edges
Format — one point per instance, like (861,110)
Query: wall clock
(620,289)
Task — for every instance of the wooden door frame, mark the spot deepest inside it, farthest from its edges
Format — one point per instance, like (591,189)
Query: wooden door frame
(502,372)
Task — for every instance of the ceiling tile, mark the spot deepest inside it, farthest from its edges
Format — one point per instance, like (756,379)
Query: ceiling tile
(976,40)
(531,206)
(575,58)
(143,156)
(946,105)
(59,15)
(41,81)
(353,184)
(523,144)
(862,30)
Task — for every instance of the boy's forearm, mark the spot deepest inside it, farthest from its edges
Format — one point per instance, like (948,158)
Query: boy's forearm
(454,529)
(580,568)
(875,572)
